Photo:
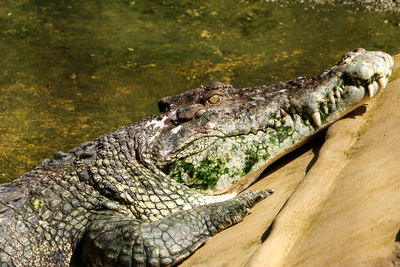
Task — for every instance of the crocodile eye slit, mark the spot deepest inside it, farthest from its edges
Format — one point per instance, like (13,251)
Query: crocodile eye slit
(215,99)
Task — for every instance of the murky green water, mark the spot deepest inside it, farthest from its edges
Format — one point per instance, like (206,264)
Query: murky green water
(73,70)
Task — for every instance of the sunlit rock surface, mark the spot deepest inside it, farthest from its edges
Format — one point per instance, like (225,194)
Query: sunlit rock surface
(342,199)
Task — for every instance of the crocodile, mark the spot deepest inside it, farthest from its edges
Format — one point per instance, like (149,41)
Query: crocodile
(151,193)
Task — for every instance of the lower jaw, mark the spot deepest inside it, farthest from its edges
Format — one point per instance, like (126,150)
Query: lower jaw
(254,175)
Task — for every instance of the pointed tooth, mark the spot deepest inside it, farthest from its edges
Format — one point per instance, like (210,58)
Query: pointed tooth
(316,118)
(331,99)
(337,93)
(371,90)
(283,113)
(390,72)
(341,90)
(325,108)
(382,82)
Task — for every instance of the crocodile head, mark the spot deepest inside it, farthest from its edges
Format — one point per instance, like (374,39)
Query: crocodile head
(217,139)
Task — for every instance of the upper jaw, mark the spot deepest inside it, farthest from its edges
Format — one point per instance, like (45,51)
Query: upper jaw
(358,75)
(320,99)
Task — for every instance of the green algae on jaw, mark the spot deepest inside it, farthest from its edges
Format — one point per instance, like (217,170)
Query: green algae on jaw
(230,159)
(204,176)
(227,161)
(251,160)
(279,134)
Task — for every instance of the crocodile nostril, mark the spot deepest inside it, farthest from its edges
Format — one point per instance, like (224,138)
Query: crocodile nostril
(359,50)
(164,104)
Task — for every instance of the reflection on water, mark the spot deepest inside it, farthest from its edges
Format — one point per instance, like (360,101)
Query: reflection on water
(73,70)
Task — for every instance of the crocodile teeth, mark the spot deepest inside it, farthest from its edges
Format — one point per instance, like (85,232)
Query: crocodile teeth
(325,108)
(283,113)
(337,93)
(371,90)
(382,82)
(390,72)
(340,89)
(331,99)
(317,118)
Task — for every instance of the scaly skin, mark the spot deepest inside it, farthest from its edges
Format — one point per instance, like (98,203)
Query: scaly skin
(142,195)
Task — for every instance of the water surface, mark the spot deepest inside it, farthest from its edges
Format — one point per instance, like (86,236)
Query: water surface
(74,70)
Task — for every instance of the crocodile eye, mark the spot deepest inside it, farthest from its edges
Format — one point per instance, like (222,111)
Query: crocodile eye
(215,99)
